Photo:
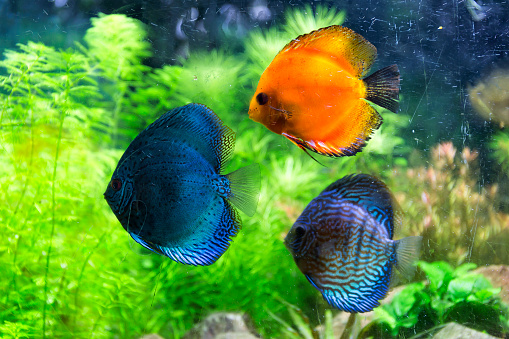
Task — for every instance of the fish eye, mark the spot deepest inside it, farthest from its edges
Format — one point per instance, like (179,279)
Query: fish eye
(116,184)
(299,232)
(262,98)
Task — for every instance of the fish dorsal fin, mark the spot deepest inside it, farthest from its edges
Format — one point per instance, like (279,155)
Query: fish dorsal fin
(340,42)
(195,124)
(371,194)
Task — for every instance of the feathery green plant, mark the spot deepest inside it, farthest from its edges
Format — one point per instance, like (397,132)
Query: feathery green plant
(261,46)
(51,124)
(304,20)
(118,45)
(155,96)
(216,80)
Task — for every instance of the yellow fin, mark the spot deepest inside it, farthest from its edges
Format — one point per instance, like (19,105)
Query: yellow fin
(340,42)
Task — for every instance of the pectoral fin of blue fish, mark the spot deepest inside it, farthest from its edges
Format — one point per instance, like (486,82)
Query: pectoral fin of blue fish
(245,188)
(407,252)
(211,239)
(372,194)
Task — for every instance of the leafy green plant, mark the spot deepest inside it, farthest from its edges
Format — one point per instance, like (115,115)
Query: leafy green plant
(451,295)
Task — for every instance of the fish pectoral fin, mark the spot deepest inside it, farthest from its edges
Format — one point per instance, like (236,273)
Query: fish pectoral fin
(407,252)
(245,188)
(348,137)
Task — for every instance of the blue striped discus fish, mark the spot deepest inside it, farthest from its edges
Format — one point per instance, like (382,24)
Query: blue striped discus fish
(342,242)
(168,190)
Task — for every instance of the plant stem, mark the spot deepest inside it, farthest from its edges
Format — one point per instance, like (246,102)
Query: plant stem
(81,275)
(53,202)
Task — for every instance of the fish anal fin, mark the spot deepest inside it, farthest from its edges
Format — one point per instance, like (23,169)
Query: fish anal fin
(340,42)
(383,88)
(209,245)
(349,135)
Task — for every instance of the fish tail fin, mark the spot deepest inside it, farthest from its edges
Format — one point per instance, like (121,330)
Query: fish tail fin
(383,88)
(245,188)
(407,252)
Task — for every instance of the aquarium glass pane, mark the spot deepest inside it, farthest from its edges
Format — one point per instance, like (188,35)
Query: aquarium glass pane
(254,168)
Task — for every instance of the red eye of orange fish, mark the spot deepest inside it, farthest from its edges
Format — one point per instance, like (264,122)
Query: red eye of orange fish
(116,184)
(262,98)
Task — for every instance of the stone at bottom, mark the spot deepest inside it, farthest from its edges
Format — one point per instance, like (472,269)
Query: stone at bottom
(457,331)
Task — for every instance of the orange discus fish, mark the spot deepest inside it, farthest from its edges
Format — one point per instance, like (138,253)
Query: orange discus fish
(313,92)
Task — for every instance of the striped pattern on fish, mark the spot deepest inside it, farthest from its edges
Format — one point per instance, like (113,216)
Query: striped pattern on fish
(342,243)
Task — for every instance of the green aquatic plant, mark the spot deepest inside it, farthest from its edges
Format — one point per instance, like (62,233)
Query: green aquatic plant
(118,45)
(304,20)
(216,80)
(300,325)
(500,147)
(155,96)
(261,46)
(451,295)
(53,120)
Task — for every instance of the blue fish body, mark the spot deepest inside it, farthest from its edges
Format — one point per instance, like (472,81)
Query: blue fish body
(342,242)
(168,191)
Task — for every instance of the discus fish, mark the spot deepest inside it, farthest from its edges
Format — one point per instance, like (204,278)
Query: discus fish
(313,92)
(168,191)
(342,242)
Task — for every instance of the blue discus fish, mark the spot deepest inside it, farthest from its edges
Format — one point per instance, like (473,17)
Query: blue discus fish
(342,242)
(168,191)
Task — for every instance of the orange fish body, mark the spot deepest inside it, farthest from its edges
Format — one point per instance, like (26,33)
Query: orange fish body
(313,94)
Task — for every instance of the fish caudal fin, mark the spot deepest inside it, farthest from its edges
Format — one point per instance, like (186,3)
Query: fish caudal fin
(407,252)
(383,88)
(245,188)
